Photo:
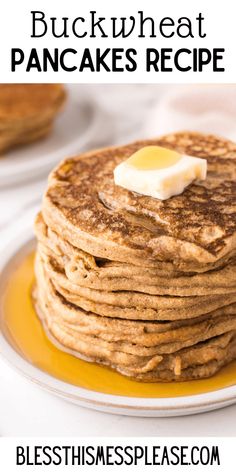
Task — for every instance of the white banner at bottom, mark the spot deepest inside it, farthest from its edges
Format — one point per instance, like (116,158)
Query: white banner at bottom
(133,454)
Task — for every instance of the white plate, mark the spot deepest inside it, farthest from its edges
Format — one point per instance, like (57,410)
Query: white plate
(72,130)
(133,406)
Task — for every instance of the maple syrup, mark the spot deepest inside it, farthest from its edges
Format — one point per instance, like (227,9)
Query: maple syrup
(153,158)
(26,334)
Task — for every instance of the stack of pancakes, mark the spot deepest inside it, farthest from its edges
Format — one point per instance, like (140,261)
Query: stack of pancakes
(144,286)
(27,112)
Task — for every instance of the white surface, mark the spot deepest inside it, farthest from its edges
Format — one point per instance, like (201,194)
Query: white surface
(208,109)
(25,409)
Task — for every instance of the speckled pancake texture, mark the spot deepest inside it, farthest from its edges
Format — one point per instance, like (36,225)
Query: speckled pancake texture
(144,286)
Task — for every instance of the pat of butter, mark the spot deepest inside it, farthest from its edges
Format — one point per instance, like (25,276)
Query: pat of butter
(159,172)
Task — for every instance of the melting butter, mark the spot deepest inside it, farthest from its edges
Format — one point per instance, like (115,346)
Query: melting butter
(158,172)
(153,157)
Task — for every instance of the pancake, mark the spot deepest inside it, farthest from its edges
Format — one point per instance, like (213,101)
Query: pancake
(197,227)
(211,354)
(135,305)
(27,112)
(148,337)
(143,286)
(85,272)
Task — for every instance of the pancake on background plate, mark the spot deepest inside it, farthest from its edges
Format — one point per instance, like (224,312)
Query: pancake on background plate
(27,112)
(144,286)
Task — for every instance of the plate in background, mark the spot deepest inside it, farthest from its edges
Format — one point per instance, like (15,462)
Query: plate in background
(126,405)
(72,131)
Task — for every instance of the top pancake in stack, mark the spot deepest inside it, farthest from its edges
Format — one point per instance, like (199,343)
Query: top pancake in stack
(142,285)
(27,112)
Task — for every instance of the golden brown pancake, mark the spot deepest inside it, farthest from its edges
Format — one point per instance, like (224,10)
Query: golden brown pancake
(154,337)
(135,305)
(27,112)
(198,360)
(144,286)
(82,269)
(196,227)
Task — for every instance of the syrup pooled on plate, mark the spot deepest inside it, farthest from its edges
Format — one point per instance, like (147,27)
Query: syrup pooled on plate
(24,331)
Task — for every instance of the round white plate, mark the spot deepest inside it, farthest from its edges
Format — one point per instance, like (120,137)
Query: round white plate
(22,243)
(72,130)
